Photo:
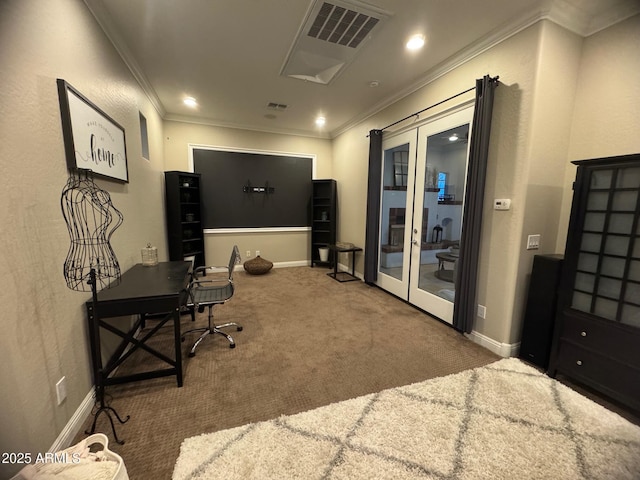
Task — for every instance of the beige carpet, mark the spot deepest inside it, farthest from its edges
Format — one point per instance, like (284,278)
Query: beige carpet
(308,341)
(502,421)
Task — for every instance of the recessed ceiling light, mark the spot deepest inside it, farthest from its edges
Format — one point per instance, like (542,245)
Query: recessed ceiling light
(416,42)
(320,121)
(190,102)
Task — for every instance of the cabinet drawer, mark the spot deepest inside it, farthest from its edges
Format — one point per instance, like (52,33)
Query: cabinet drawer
(619,342)
(615,379)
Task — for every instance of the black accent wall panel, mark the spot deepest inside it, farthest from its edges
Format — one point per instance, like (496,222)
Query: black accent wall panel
(225,174)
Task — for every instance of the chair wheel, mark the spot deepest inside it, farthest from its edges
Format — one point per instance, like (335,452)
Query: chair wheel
(239,329)
(232,345)
(192,354)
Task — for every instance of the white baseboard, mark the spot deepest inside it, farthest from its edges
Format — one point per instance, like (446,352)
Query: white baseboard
(505,350)
(74,424)
(297,263)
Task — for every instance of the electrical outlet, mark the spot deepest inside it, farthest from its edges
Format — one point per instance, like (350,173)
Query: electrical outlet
(248,254)
(482,311)
(61,389)
(257,253)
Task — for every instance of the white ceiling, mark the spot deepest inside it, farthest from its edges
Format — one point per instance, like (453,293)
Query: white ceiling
(228,54)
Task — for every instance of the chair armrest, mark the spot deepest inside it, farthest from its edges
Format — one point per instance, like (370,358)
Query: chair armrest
(208,267)
(211,282)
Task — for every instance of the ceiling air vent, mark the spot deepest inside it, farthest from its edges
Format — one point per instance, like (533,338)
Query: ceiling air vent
(277,106)
(329,39)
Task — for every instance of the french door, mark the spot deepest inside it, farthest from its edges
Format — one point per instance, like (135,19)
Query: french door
(421,214)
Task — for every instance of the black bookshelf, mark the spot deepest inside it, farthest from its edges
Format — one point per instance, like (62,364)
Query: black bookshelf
(184,216)
(323,221)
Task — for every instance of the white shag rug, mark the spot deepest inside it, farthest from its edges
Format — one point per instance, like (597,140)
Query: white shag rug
(502,421)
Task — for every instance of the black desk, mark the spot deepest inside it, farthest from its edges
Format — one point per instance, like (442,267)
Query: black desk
(142,290)
(344,276)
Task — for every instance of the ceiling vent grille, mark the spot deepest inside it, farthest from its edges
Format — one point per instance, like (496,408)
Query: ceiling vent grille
(329,39)
(277,106)
(341,25)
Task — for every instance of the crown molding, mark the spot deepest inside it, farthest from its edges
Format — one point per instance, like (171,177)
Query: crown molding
(566,14)
(560,12)
(100,13)
(253,128)
(456,60)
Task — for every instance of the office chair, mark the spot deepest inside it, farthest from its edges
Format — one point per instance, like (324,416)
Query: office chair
(208,293)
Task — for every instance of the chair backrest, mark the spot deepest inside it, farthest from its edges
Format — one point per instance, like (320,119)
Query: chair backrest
(235,259)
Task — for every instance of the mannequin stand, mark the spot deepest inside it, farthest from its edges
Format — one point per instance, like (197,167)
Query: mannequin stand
(107,410)
(103,407)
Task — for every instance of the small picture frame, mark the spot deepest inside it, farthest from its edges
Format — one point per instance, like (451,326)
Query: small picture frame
(92,139)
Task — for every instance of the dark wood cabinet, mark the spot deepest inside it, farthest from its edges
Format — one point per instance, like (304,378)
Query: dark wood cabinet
(597,333)
(323,221)
(184,220)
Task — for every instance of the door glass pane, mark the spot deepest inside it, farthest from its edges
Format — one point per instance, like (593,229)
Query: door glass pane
(633,292)
(625,201)
(581,301)
(445,172)
(601,178)
(634,270)
(393,210)
(616,245)
(628,178)
(613,267)
(606,308)
(620,223)
(584,282)
(597,201)
(594,222)
(591,242)
(609,287)
(588,262)
(630,315)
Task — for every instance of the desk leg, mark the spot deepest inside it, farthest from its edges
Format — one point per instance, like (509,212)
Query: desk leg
(353,264)
(178,345)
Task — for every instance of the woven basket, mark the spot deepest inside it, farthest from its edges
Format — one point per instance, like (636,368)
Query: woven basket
(257,266)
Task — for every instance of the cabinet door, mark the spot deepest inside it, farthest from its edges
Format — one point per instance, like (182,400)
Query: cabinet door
(607,251)
(597,335)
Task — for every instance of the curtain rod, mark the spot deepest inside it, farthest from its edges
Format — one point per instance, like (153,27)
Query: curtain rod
(494,79)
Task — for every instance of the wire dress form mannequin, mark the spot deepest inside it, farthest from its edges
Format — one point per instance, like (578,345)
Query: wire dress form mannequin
(91,263)
(91,220)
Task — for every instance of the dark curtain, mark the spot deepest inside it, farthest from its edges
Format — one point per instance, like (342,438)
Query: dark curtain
(464,307)
(373,207)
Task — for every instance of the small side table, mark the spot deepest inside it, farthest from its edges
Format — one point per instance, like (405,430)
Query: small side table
(442,273)
(344,276)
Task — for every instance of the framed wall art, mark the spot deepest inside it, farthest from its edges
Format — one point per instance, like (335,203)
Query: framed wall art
(92,139)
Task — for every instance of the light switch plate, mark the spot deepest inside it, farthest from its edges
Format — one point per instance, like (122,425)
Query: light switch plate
(533,242)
